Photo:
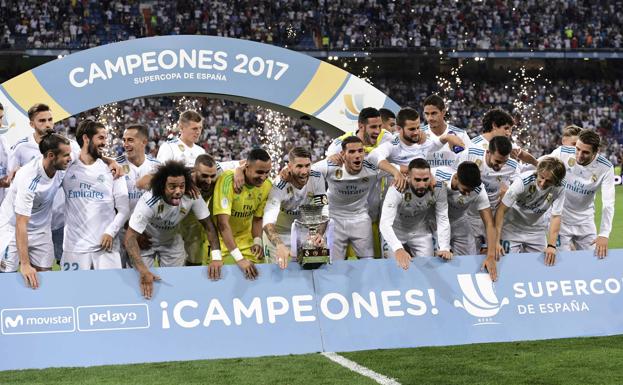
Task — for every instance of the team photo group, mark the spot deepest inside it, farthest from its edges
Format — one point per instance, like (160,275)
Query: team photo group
(398,186)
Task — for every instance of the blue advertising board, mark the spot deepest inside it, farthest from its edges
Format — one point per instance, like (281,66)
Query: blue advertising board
(84,318)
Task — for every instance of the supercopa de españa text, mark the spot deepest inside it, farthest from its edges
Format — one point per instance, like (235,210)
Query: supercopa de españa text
(179,76)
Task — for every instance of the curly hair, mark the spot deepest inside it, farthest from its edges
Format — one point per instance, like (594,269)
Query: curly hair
(170,168)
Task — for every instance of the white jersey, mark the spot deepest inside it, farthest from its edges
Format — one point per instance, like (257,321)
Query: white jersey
(347,193)
(410,214)
(527,202)
(175,149)
(91,197)
(161,220)
(458,204)
(31,194)
(4,163)
(23,151)
(133,173)
(582,184)
(491,179)
(284,200)
(444,156)
(400,153)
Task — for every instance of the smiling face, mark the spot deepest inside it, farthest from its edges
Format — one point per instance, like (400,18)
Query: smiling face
(133,143)
(256,172)
(372,130)
(299,170)
(584,153)
(96,146)
(495,160)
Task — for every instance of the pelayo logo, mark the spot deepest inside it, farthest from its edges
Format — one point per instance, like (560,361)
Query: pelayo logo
(479,299)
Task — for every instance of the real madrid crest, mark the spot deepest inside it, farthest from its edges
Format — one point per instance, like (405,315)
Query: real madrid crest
(408,197)
(478,162)
(594,178)
(532,189)
(182,211)
(571,162)
(338,174)
(499,178)
(485,146)
(549,198)
(100,178)
(181,147)
(126,168)
(365,179)
(160,208)
(461,200)
(289,190)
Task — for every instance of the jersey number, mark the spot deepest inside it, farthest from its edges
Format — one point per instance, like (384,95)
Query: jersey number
(70,266)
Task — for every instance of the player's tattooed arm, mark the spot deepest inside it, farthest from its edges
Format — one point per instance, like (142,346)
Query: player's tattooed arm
(147,278)
(272,235)
(282,250)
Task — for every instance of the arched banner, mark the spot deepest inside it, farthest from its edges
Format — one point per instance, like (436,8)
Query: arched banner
(284,80)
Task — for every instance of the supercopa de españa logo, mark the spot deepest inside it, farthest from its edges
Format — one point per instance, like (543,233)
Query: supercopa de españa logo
(479,298)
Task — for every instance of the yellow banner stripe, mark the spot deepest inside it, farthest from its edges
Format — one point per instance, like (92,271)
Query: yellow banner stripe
(326,82)
(26,90)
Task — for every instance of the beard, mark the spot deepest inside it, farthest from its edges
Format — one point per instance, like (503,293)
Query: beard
(93,151)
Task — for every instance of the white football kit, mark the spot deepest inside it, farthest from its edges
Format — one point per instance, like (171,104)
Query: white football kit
(31,194)
(444,157)
(461,239)
(523,230)
(282,208)
(175,149)
(578,216)
(409,220)
(348,207)
(91,198)
(492,181)
(160,221)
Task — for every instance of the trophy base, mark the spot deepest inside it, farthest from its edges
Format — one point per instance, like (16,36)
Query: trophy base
(313,259)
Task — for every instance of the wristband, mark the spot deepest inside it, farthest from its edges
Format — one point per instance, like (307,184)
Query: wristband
(237,254)
(216,255)
(550,245)
(257,241)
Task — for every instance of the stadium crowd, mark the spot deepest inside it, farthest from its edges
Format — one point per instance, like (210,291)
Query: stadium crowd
(232,128)
(308,24)
(428,189)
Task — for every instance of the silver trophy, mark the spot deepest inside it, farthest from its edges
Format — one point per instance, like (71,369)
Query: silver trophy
(311,242)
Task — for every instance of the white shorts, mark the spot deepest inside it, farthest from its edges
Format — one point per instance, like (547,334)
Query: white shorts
(479,234)
(40,249)
(462,238)
(417,244)
(357,232)
(516,240)
(97,260)
(169,255)
(578,237)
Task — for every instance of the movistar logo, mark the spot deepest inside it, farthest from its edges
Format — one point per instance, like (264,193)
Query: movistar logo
(479,299)
(13,322)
